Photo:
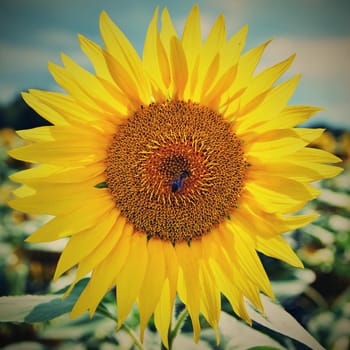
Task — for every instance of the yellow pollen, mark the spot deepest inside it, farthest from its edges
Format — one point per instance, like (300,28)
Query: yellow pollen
(175,170)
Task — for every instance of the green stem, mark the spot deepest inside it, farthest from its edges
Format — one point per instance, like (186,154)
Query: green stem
(178,324)
(133,336)
(315,296)
(104,311)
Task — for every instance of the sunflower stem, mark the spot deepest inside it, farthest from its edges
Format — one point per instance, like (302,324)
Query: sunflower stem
(105,312)
(178,324)
(133,336)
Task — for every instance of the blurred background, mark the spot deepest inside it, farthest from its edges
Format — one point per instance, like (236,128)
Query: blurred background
(33,32)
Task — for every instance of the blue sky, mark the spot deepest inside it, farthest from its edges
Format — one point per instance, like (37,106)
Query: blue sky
(32,32)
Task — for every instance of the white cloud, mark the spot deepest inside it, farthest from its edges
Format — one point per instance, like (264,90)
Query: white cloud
(324,64)
(18,58)
(320,58)
(24,66)
(56,38)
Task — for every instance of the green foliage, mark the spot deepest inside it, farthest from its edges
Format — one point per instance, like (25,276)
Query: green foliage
(280,321)
(315,301)
(38,308)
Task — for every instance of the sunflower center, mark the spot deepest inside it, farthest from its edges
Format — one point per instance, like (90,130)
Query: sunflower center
(175,170)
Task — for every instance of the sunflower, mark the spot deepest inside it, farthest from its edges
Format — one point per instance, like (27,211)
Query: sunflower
(171,172)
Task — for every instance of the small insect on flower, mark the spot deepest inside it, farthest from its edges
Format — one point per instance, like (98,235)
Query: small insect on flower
(178,183)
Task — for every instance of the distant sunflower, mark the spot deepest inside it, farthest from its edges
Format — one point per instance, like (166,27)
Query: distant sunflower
(169,173)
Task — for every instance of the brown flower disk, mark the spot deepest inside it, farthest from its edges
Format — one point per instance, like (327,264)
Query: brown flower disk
(175,169)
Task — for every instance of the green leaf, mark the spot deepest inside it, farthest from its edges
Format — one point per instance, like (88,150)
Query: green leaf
(280,321)
(16,308)
(56,307)
(102,185)
(262,348)
(38,308)
(78,329)
(238,335)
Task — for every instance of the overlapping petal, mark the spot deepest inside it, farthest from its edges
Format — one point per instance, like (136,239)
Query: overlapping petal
(280,168)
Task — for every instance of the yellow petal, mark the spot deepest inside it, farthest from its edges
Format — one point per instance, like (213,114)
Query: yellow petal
(163,313)
(153,283)
(179,68)
(314,155)
(103,277)
(308,134)
(299,171)
(96,56)
(41,133)
(275,197)
(228,286)
(208,59)
(53,200)
(164,308)
(57,153)
(264,80)
(70,109)
(213,97)
(84,217)
(277,247)
(39,172)
(125,81)
(273,148)
(242,282)
(231,51)
(120,48)
(167,31)
(247,257)
(46,173)
(82,244)
(246,67)
(154,57)
(130,278)
(289,117)
(270,224)
(172,269)
(215,40)
(274,102)
(43,110)
(92,86)
(119,230)
(210,299)
(210,76)
(188,283)
(22,192)
(66,80)
(192,36)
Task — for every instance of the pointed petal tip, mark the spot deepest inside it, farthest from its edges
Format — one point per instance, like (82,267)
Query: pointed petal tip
(245,28)
(195,8)
(156,10)
(217,335)
(32,239)
(76,312)
(81,38)
(11,204)
(68,291)
(24,93)
(104,15)
(52,67)
(65,58)
(119,325)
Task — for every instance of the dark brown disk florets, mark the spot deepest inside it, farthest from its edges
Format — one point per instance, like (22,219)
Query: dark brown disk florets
(175,170)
